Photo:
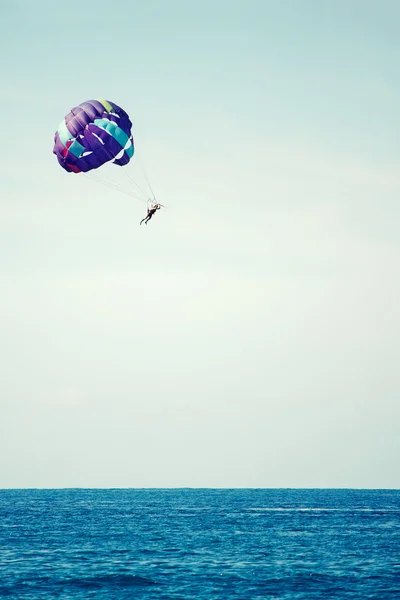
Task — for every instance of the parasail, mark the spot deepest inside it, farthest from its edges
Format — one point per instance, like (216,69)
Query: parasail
(94,133)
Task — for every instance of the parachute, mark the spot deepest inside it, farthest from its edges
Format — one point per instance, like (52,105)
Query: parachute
(94,135)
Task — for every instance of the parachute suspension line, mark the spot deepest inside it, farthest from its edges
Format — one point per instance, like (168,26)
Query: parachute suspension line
(113,186)
(103,177)
(117,181)
(147,179)
(140,190)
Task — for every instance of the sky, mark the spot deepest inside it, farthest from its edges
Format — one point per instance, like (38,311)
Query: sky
(248,336)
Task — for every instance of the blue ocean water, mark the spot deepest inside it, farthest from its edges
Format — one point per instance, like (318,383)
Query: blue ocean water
(199,543)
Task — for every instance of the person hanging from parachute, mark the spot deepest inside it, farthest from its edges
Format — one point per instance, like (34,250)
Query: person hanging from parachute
(151,210)
(96,133)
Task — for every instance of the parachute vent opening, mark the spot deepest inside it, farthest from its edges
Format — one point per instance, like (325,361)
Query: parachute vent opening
(98,137)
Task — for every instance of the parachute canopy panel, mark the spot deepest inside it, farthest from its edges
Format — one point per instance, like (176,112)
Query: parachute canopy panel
(92,134)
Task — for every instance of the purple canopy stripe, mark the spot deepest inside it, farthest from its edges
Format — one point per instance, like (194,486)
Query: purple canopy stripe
(93,133)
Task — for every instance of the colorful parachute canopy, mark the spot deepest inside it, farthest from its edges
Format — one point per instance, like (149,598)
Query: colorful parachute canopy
(93,133)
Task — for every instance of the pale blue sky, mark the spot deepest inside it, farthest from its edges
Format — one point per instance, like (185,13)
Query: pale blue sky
(249,336)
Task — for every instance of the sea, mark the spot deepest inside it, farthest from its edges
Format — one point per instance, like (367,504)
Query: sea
(202,544)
